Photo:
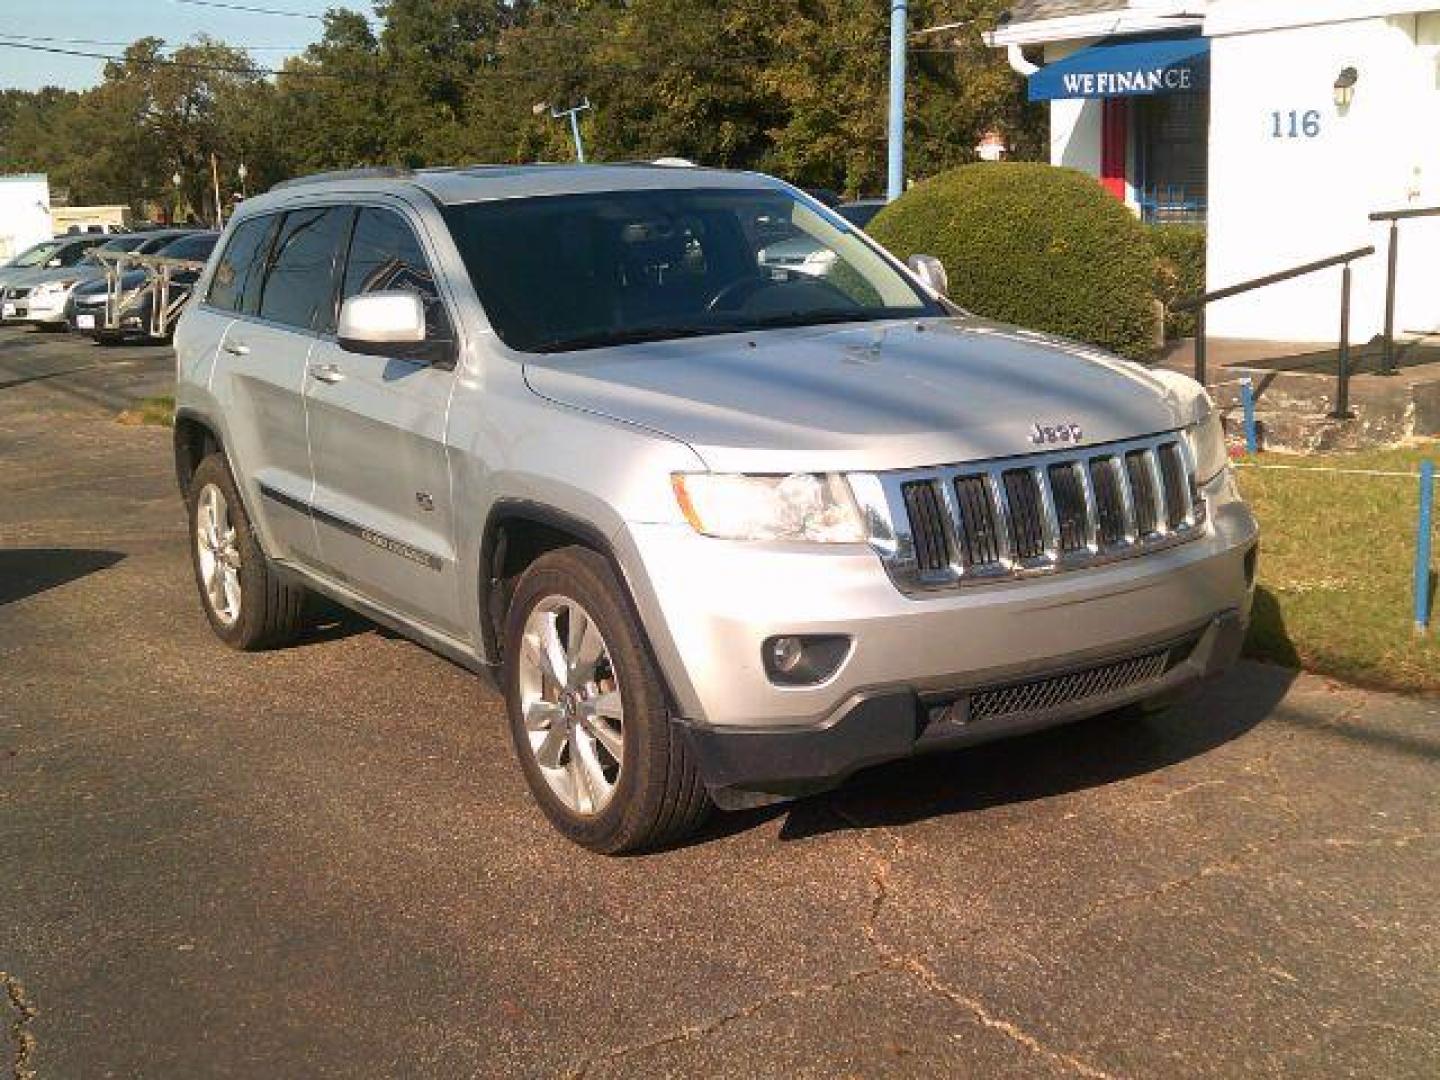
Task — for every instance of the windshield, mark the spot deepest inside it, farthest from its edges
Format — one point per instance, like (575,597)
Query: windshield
(37,255)
(567,272)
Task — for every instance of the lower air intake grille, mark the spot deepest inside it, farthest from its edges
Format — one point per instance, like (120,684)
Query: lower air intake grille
(1042,694)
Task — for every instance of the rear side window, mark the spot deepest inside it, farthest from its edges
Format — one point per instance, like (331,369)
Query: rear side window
(299,287)
(238,272)
(385,254)
(72,253)
(191,247)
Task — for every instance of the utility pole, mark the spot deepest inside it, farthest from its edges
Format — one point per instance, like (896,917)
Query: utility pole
(215,179)
(899,19)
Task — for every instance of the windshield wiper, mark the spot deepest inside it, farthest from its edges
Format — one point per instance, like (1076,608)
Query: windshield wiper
(601,338)
(820,317)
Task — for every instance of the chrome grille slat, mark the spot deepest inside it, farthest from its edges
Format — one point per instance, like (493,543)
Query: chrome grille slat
(1037,514)
(1027,528)
(1142,492)
(1073,510)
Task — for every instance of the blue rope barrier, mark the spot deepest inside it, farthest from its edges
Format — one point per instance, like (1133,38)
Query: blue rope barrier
(1423,528)
(1247,398)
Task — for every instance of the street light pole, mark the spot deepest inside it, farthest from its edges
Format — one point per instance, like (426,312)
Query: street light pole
(574,115)
(899,18)
(177,180)
(242,172)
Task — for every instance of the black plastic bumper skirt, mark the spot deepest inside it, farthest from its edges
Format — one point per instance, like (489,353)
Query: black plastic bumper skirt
(748,767)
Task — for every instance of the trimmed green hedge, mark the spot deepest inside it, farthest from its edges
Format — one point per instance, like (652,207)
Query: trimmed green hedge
(1179,272)
(1035,245)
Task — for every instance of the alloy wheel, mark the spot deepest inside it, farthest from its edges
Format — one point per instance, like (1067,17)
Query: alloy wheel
(571,706)
(219,554)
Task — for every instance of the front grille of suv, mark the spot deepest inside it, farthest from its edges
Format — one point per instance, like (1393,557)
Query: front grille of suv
(1038,514)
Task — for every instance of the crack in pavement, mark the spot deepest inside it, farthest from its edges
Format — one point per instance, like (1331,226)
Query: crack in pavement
(929,979)
(932,981)
(20,1027)
(715,1023)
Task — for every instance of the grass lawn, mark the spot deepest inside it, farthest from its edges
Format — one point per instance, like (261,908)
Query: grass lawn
(158,411)
(1336,563)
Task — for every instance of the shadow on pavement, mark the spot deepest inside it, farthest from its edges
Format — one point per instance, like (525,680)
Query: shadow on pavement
(27,571)
(1358,729)
(1074,757)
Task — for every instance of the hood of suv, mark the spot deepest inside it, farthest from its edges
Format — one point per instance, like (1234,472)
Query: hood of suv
(77,273)
(873,397)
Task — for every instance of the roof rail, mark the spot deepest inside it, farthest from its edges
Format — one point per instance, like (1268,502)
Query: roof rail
(372,172)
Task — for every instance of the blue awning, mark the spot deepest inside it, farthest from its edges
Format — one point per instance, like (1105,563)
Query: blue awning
(1126,67)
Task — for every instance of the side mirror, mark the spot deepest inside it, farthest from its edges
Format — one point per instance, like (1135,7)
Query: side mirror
(391,323)
(375,323)
(931,272)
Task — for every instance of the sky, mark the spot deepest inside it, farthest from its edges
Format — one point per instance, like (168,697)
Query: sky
(107,26)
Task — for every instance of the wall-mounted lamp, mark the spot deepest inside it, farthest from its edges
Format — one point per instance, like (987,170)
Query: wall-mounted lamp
(1345,87)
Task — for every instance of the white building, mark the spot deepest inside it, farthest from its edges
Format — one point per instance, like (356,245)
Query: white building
(24,213)
(1281,124)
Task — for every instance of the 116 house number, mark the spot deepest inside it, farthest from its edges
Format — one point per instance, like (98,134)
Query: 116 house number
(1295,124)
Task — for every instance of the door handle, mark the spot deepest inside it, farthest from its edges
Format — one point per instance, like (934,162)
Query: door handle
(236,348)
(327,373)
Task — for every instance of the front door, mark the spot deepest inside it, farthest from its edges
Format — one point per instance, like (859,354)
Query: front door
(381,502)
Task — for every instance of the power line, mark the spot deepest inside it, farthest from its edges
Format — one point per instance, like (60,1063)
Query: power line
(126,44)
(188,65)
(312,73)
(254,10)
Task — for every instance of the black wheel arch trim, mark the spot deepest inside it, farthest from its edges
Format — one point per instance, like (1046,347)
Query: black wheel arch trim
(488,581)
(187,416)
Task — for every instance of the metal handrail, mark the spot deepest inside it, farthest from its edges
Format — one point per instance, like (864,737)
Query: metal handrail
(1387,363)
(1195,302)
(1198,303)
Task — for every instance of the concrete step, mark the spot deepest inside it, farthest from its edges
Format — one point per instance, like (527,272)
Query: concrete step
(1316,432)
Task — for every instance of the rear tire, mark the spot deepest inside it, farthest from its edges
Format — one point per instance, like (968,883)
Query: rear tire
(610,698)
(248,604)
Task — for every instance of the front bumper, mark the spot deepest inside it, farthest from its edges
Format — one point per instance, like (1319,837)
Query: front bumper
(36,309)
(745,767)
(708,605)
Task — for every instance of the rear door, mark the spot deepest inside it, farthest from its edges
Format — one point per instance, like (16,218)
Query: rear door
(260,373)
(377,439)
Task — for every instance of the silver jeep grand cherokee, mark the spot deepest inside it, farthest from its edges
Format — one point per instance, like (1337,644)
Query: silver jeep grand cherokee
(726,531)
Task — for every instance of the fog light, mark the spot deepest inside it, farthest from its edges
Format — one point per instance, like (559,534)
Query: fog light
(786,653)
(803,659)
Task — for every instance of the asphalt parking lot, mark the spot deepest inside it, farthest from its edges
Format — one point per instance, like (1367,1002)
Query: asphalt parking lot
(322,861)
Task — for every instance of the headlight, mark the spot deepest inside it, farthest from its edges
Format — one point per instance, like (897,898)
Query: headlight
(819,509)
(1207,444)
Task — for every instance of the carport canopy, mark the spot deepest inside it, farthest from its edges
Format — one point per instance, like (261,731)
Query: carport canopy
(1127,67)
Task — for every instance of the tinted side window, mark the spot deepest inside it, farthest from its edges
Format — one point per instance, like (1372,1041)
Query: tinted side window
(194,247)
(73,253)
(384,254)
(239,267)
(299,284)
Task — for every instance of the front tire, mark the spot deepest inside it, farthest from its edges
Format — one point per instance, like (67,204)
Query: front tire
(247,603)
(588,712)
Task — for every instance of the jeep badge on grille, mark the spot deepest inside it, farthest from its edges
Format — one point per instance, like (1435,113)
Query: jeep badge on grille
(1046,435)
